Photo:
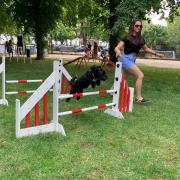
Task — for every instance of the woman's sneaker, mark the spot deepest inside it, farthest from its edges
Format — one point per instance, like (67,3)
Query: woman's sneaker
(142,101)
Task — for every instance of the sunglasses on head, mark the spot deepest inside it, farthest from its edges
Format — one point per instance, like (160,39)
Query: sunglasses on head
(137,25)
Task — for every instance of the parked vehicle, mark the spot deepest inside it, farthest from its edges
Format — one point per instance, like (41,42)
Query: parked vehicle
(64,48)
(79,49)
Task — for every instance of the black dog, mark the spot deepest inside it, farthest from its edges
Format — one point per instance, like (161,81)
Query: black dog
(92,77)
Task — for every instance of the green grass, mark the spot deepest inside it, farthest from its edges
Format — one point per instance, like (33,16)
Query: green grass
(144,145)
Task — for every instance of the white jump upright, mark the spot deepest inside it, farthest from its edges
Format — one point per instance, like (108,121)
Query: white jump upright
(23,111)
(65,81)
(121,102)
(114,110)
(2,72)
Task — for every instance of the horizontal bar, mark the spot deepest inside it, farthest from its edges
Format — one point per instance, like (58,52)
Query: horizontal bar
(19,92)
(65,96)
(85,109)
(22,92)
(24,81)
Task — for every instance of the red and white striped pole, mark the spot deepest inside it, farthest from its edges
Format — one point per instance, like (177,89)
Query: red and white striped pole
(65,96)
(23,92)
(65,87)
(23,81)
(122,92)
(75,111)
(45,98)
(36,114)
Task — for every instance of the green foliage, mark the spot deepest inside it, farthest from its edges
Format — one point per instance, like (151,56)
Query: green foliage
(126,10)
(62,32)
(7,25)
(38,17)
(98,31)
(174,32)
(155,35)
(41,14)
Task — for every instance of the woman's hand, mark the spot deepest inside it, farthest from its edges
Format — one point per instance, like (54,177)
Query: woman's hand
(160,55)
(118,54)
(149,50)
(118,49)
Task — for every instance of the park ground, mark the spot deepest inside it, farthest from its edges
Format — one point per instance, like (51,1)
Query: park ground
(143,145)
(146,62)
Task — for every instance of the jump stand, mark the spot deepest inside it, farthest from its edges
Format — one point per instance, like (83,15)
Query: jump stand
(5,82)
(24,110)
(2,72)
(56,81)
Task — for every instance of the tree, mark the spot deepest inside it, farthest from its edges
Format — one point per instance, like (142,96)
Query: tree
(122,12)
(78,14)
(174,33)
(62,32)
(38,17)
(7,25)
(155,35)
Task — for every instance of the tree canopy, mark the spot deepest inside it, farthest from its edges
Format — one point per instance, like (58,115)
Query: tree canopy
(155,35)
(38,17)
(7,25)
(106,19)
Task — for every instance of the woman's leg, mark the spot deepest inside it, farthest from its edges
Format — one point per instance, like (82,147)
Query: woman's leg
(139,75)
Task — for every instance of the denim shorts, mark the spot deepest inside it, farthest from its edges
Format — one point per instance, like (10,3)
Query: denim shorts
(127,60)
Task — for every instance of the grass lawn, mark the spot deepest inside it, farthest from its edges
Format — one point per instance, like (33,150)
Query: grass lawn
(144,145)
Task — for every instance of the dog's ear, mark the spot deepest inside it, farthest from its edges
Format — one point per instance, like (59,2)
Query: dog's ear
(71,82)
(93,68)
(96,69)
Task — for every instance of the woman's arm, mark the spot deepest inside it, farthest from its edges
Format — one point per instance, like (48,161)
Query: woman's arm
(149,50)
(118,48)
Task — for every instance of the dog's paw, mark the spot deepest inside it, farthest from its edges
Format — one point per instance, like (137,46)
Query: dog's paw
(98,82)
(93,84)
(68,99)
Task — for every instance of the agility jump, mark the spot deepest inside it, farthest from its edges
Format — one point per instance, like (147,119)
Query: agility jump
(2,72)
(55,80)
(4,101)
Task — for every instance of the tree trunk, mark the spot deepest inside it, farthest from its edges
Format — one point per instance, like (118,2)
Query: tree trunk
(40,42)
(113,39)
(84,39)
(113,43)
(51,44)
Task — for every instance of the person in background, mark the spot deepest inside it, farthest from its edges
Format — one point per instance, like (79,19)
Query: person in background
(10,49)
(19,45)
(95,50)
(88,49)
(132,43)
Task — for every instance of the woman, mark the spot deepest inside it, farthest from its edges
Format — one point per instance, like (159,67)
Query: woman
(132,43)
